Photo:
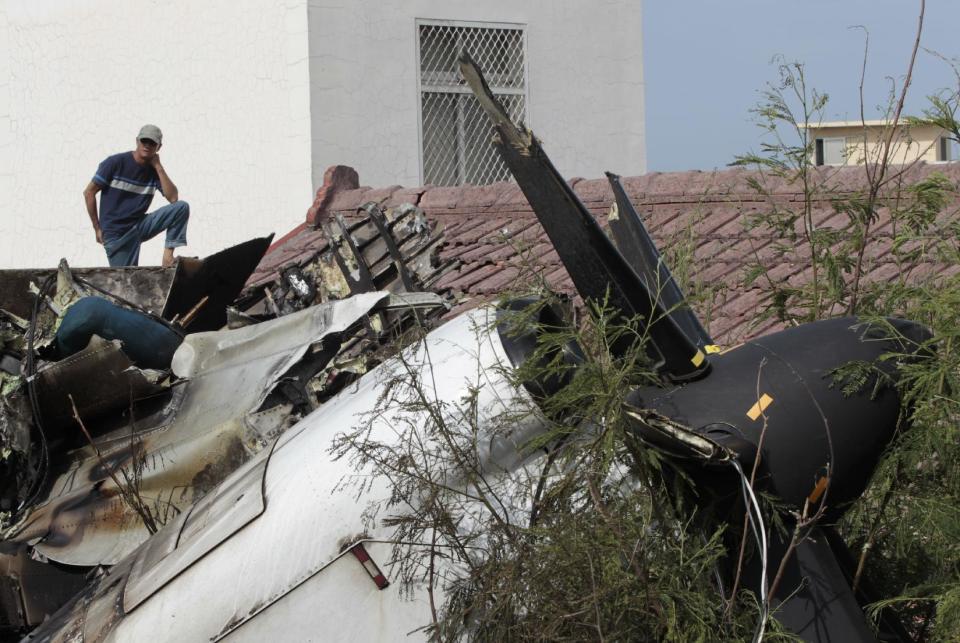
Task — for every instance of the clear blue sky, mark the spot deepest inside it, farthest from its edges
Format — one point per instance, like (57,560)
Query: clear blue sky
(706,61)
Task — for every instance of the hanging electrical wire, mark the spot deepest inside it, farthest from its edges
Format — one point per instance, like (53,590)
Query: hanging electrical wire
(760,535)
(30,371)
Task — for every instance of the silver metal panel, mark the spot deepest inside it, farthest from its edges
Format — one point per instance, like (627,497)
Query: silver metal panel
(209,523)
(341,603)
(85,522)
(287,563)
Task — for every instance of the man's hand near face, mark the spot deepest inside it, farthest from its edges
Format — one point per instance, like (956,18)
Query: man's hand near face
(166,185)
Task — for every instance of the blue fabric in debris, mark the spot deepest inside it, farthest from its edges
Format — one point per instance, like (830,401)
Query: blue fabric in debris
(147,342)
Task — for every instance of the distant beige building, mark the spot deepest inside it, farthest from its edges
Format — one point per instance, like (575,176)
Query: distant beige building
(853,142)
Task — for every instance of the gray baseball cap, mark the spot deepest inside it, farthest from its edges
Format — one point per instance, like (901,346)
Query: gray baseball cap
(152,133)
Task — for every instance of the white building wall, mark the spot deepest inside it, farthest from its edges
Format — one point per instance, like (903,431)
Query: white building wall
(585,82)
(6,129)
(226,80)
(257,98)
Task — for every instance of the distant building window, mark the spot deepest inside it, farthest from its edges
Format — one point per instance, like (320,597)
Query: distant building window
(455,134)
(944,149)
(830,151)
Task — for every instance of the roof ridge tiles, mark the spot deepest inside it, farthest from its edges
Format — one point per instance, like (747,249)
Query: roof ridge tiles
(491,235)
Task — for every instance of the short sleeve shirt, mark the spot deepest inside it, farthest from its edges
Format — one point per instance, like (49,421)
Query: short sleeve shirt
(127,191)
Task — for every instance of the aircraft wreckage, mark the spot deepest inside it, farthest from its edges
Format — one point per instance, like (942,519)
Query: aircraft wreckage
(174,474)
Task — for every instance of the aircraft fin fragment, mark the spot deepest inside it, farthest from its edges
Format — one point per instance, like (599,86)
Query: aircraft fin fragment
(599,272)
(638,248)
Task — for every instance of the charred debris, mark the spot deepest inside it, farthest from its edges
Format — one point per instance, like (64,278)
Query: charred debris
(217,409)
(105,436)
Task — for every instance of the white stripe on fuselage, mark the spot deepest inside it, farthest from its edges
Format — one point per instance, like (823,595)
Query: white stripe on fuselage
(132,187)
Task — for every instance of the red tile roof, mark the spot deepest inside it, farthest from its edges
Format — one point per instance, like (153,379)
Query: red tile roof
(493,237)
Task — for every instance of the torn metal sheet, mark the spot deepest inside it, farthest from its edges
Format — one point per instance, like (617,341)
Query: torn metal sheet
(147,287)
(391,251)
(203,432)
(270,348)
(100,378)
(16,420)
(216,281)
(269,550)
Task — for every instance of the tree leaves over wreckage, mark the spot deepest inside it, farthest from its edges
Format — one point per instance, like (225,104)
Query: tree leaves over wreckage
(905,531)
(589,544)
(598,537)
(584,544)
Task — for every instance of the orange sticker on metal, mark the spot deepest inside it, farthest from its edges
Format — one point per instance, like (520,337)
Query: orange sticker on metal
(758,408)
(818,489)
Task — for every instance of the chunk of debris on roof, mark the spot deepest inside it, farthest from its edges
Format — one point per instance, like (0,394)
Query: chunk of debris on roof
(392,249)
(201,292)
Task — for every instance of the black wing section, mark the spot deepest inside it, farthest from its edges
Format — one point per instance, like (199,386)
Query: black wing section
(641,252)
(599,271)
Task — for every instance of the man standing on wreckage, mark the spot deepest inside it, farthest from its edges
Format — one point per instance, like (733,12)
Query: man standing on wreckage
(127,182)
(280,548)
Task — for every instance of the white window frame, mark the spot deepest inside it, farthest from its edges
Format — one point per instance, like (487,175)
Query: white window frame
(474,24)
(831,139)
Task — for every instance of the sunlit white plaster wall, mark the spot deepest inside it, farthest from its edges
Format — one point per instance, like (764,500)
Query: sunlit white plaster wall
(6,125)
(258,97)
(585,66)
(226,80)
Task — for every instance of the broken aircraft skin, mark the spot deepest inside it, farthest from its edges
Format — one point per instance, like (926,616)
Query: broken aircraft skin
(281,545)
(278,546)
(209,425)
(171,434)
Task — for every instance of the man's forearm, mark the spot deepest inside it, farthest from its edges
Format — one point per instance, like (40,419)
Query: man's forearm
(166,185)
(91,201)
(90,198)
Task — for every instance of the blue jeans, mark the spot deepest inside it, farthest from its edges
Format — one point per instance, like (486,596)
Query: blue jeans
(147,342)
(125,250)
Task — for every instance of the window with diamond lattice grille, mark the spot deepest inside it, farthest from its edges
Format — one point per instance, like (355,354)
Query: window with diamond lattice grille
(455,134)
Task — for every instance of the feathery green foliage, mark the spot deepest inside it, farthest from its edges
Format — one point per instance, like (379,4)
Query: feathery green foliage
(905,531)
(582,544)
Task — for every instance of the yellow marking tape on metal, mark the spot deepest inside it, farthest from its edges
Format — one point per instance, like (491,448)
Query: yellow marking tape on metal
(710,349)
(698,358)
(724,351)
(759,407)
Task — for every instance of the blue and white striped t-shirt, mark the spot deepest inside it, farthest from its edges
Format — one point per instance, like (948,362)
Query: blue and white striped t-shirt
(127,190)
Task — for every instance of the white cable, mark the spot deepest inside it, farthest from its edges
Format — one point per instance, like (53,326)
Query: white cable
(760,535)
